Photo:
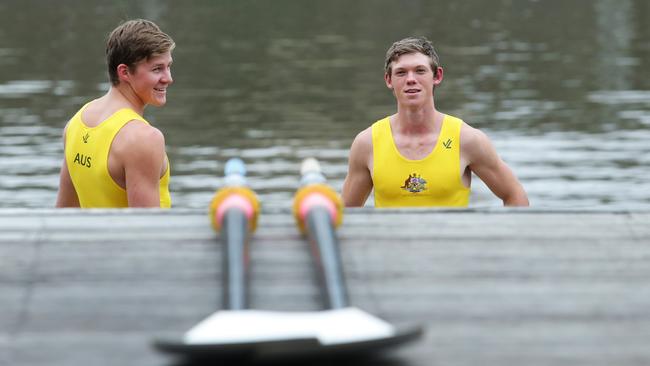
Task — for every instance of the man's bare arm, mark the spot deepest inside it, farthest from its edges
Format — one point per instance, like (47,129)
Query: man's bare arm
(358,183)
(67,195)
(143,163)
(491,169)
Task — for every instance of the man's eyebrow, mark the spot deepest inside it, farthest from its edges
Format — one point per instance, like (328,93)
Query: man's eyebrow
(162,63)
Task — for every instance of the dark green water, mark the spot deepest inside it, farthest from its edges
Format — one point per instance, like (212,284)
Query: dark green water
(561,87)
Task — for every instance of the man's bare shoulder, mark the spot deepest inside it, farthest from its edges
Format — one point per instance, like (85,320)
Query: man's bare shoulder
(363,139)
(138,137)
(472,138)
(361,150)
(136,129)
(476,147)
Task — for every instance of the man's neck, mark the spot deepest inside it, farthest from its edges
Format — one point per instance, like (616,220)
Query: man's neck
(123,95)
(416,120)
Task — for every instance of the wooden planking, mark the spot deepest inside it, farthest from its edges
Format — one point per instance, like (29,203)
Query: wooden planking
(492,286)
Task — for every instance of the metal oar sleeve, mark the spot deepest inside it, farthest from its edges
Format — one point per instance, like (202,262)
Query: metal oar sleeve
(327,258)
(235,260)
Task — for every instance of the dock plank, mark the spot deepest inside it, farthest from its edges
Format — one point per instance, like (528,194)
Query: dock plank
(492,287)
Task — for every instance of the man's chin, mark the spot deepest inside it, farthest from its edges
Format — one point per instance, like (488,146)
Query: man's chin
(158,103)
(412,102)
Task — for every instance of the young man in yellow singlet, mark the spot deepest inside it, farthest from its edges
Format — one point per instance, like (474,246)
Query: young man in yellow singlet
(421,156)
(113,156)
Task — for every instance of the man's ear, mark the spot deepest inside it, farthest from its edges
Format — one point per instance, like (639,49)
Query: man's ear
(437,76)
(389,83)
(123,72)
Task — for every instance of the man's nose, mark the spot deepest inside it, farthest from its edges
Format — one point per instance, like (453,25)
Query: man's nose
(410,77)
(168,77)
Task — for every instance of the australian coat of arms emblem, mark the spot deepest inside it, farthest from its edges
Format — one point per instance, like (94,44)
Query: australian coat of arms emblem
(414,183)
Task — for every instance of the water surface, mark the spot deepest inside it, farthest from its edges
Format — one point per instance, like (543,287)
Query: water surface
(560,87)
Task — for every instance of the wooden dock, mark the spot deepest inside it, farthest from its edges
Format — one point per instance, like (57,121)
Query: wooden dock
(492,286)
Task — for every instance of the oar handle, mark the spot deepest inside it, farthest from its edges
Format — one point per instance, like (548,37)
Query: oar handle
(318,210)
(234,239)
(233,212)
(327,257)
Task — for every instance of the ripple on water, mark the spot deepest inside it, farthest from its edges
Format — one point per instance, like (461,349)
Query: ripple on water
(620,96)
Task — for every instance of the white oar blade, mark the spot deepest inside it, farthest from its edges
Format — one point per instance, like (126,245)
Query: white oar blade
(350,325)
(330,327)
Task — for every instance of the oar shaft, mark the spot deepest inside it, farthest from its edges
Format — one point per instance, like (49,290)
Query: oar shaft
(235,260)
(327,257)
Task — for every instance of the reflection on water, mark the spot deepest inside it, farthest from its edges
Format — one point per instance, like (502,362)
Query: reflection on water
(556,85)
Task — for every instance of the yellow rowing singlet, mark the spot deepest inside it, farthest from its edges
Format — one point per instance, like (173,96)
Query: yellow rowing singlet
(86,154)
(432,181)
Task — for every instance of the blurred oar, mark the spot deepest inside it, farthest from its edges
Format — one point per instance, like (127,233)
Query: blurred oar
(318,211)
(234,211)
(239,334)
(236,332)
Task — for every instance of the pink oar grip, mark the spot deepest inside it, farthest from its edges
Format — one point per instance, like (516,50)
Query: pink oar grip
(317,199)
(235,201)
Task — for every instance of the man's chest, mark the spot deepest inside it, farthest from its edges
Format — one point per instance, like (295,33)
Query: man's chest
(416,148)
